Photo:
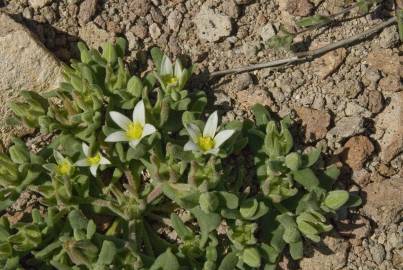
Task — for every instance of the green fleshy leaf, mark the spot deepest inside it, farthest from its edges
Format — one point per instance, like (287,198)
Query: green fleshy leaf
(336,199)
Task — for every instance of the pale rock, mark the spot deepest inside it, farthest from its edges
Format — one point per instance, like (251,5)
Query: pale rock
(347,127)
(391,122)
(352,109)
(25,65)
(174,20)
(39,3)
(389,37)
(212,26)
(88,9)
(155,31)
(378,253)
(330,254)
(267,32)
(94,36)
(230,8)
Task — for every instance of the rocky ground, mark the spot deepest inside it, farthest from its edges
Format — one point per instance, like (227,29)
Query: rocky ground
(349,101)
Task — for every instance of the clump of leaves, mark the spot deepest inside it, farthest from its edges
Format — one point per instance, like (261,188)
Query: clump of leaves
(138,177)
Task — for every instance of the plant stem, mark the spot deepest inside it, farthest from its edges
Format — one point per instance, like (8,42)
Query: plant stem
(308,55)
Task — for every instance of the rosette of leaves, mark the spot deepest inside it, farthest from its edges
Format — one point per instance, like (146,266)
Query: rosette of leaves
(179,196)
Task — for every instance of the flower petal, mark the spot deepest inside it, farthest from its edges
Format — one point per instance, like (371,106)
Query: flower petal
(104,161)
(134,143)
(148,129)
(118,136)
(82,163)
(190,146)
(139,113)
(58,157)
(166,66)
(121,120)
(222,136)
(213,151)
(194,132)
(93,170)
(211,126)
(86,150)
(178,69)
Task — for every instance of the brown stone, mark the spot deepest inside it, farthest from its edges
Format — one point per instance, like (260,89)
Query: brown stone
(327,64)
(139,31)
(88,9)
(375,101)
(248,98)
(356,152)
(384,201)
(315,122)
(385,60)
(140,7)
(94,36)
(299,7)
(390,83)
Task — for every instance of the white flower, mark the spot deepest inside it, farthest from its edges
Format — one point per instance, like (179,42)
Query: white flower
(133,131)
(92,161)
(170,75)
(208,142)
(64,165)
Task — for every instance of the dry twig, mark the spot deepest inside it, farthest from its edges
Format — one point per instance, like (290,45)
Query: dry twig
(308,55)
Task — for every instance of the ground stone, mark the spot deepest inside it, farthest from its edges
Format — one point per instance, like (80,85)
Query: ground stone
(331,254)
(315,123)
(391,83)
(212,26)
(267,32)
(174,20)
(140,7)
(26,65)
(384,201)
(243,81)
(299,7)
(389,37)
(391,122)
(155,31)
(378,253)
(248,98)
(230,8)
(347,127)
(94,36)
(385,60)
(328,63)
(88,9)
(356,151)
(38,3)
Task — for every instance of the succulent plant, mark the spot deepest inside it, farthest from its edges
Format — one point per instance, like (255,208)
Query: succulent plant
(130,181)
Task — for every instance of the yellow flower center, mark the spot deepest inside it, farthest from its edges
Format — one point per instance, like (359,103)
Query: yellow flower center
(134,131)
(170,80)
(206,143)
(95,160)
(64,168)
